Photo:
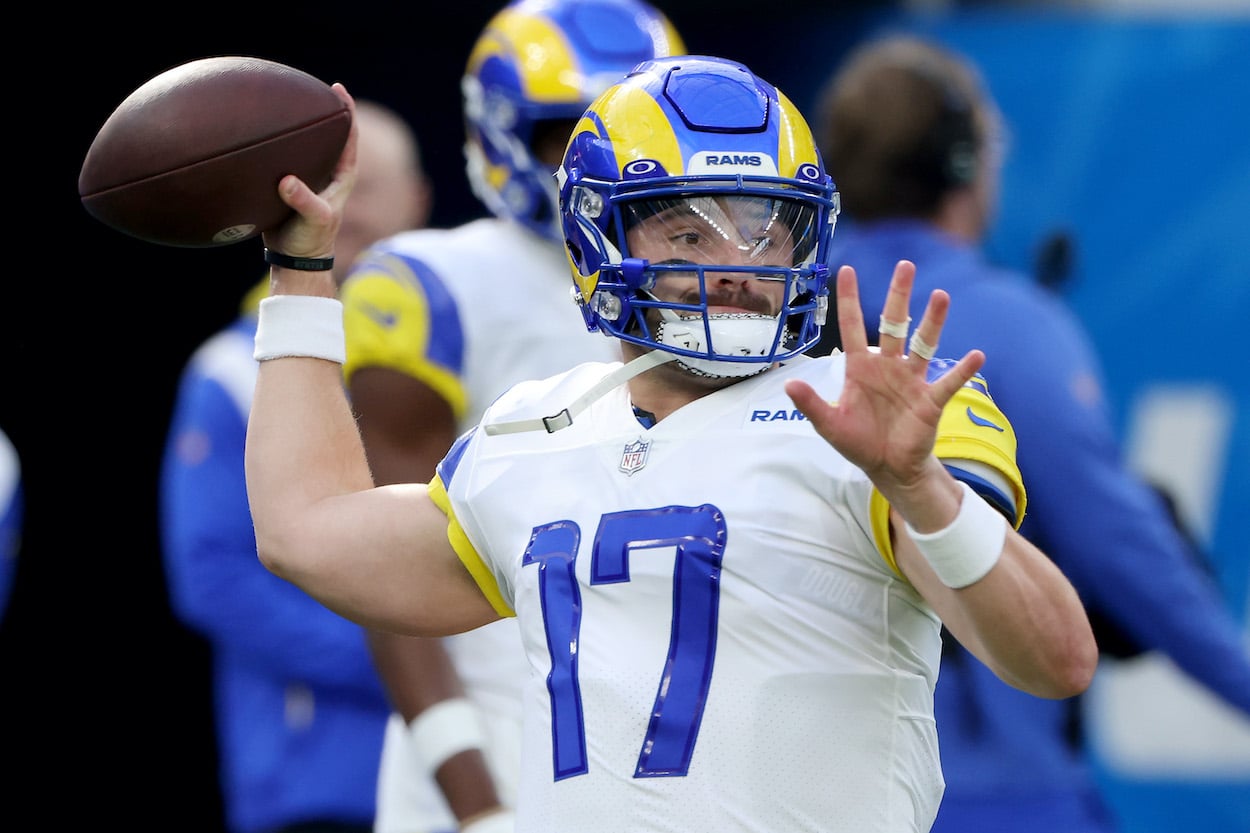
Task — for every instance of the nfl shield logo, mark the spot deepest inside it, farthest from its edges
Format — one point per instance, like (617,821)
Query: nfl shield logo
(635,456)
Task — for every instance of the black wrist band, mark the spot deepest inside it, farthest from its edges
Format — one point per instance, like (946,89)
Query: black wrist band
(303,264)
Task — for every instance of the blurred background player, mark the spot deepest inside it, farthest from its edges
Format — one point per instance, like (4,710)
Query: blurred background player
(432,340)
(299,709)
(914,140)
(12,497)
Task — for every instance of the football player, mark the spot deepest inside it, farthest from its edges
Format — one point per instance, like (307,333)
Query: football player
(730,563)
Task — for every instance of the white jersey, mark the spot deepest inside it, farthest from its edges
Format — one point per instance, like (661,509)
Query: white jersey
(718,638)
(469,311)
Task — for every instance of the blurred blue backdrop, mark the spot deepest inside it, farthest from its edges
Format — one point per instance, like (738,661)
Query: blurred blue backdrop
(1131,141)
(1130,152)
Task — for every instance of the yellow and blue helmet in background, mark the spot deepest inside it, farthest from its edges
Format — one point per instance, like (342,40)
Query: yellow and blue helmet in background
(701,136)
(536,66)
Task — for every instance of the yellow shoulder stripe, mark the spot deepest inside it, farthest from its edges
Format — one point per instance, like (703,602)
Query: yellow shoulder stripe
(465,551)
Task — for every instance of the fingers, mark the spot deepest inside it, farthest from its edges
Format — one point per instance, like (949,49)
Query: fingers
(804,397)
(945,386)
(344,96)
(310,231)
(895,342)
(894,315)
(347,160)
(850,316)
(895,320)
(296,193)
(293,191)
(924,341)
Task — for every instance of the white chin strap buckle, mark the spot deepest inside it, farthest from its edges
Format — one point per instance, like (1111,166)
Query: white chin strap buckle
(733,334)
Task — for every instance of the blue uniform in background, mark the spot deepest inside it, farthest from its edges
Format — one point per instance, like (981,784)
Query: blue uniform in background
(11,512)
(1013,761)
(300,711)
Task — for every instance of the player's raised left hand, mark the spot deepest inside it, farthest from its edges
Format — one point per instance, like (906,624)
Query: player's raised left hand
(886,417)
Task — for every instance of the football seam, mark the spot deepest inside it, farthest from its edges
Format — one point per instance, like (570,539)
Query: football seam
(226,154)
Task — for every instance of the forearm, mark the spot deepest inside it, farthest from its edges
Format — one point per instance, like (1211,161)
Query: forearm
(1028,624)
(1022,617)
(302,448)
(442,725)
(416,671)
(302,443)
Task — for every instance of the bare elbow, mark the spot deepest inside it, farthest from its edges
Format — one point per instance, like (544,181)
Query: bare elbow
(269,557)
(1078,671)
(1065,668)
(275,550)
(1072,669)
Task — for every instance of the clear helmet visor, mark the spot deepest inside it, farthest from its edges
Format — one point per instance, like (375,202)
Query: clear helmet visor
(720,230)
(717,278)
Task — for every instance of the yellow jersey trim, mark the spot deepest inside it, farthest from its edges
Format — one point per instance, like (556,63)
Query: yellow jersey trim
(466,552)
(971,428)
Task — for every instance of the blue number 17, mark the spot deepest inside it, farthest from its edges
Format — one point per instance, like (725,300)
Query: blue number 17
(698,534)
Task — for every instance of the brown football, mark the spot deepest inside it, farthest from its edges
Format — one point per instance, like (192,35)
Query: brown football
(193,157)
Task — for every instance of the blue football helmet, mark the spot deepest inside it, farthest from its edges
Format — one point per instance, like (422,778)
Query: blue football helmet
(725,159)
(539,62)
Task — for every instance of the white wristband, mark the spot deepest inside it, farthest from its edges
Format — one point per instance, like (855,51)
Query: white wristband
(502,822)
(966,549)
(300,325)
(445,729)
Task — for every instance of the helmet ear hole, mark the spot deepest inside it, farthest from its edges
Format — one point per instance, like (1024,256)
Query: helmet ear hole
(575,254)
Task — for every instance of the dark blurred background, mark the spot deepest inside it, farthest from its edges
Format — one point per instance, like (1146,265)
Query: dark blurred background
(102,693)
(104,698)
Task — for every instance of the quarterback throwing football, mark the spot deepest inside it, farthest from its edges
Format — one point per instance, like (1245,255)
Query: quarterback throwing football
(730,563)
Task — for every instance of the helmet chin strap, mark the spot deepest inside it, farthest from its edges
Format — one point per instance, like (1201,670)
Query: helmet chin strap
(749,334)
(564,419)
